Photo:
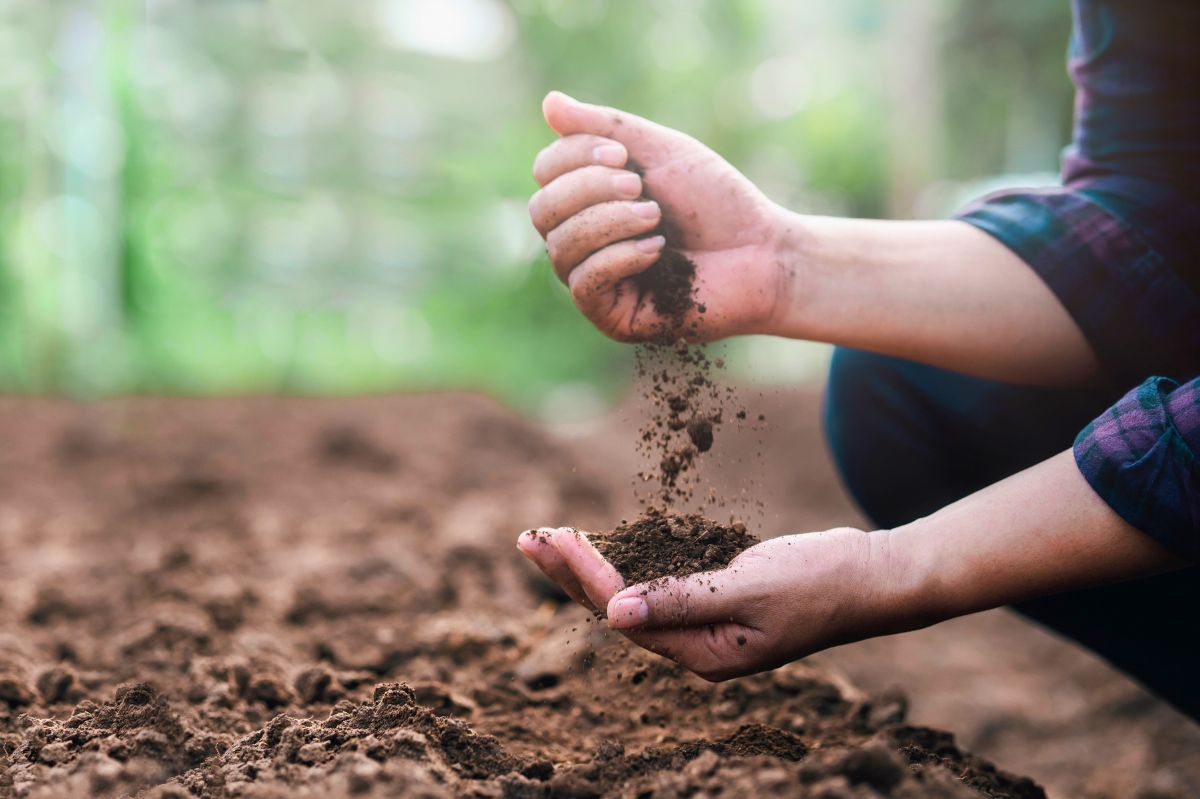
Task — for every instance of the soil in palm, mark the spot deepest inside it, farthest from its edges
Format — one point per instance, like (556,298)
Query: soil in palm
(660,545)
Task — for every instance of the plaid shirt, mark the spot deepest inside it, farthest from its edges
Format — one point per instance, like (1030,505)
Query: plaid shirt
(1140,455)
(1119,245)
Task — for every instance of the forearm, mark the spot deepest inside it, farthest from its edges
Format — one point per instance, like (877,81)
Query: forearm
(942,293)
(1039,532)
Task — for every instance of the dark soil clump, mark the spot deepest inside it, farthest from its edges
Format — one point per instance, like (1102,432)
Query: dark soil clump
(700,431)
(670,283)
(669,545)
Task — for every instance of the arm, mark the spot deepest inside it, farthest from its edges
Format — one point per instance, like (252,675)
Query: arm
(1039,532)
(940,292)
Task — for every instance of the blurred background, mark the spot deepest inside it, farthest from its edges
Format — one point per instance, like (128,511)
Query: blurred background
(216,196)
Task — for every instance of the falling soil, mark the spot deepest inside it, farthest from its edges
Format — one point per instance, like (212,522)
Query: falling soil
(676,377)
(659,545)
(311,624)
(687,406)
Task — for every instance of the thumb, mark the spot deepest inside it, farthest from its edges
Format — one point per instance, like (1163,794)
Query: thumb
(704,598)
(596,576)
(567,116)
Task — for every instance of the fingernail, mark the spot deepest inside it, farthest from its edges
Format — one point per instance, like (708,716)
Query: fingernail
(652,244)
(630,611)
(609,154)
(646,210)
(628,184)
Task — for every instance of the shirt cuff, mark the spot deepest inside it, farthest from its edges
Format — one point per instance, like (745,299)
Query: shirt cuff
(1132,307)
(1140,457)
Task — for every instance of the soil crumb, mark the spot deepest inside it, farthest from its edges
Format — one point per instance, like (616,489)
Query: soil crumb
(660,544)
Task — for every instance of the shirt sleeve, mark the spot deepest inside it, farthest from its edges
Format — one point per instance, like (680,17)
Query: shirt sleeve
(1135,309)
(1140,456)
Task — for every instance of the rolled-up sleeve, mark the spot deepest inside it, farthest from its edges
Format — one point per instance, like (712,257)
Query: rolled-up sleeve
(1140,316)
(1140,456)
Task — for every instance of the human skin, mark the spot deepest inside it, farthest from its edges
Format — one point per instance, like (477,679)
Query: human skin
(942,293)
(1038,532)
(939,292)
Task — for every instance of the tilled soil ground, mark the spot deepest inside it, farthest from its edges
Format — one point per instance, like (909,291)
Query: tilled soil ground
(320,598)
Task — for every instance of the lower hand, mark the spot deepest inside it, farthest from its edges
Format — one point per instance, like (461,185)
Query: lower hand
(777,601)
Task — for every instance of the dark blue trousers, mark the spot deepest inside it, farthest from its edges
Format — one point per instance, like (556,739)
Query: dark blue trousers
(909,439)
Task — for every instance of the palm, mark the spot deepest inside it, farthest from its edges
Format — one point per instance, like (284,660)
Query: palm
(755,614)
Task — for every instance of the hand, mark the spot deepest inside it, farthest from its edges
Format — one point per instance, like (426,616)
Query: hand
(778,601)
(593,212)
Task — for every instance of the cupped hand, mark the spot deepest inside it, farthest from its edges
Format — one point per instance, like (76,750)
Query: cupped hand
(614,183)
(777,601)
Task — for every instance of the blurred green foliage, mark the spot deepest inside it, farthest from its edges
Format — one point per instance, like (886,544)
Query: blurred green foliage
(246,196)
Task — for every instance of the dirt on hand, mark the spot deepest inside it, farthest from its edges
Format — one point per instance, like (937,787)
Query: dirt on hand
(660,545)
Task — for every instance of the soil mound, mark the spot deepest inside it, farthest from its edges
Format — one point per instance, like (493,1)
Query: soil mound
(661,544)
(91,748)
(355,738)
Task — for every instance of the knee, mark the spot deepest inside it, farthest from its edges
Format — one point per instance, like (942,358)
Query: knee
(886,449)
(850,414)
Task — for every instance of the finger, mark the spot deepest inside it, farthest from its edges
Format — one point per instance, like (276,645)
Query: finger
(573,152)
(568,116)
(714,651)
(595,227)
(570,193)
(538,546)
(597,576)
(705,598)
(593,282)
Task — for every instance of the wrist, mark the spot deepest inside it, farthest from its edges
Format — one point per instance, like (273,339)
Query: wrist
(797,278)
(909,596)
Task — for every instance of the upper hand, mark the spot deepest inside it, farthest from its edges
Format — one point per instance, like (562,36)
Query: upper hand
(777,601)
(592,212)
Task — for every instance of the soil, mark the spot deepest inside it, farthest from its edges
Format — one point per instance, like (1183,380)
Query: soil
(676,376)
(302,598)
(660,545)
(687,404)
(669,282)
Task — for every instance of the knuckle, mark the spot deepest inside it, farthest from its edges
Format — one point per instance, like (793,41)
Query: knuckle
(683,611)
(540,166)
(601,321)
(619,334)
(554,248)
(612,325)
(581,285)
(537,211)
(677,607)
